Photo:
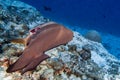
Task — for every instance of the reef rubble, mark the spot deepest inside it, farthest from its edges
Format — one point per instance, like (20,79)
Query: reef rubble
(80,59)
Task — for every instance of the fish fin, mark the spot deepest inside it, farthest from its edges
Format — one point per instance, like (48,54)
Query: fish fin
(36,61)
(22,62)
(20,41)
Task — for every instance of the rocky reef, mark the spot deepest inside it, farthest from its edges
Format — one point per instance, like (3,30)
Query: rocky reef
(17,18)
(80,59)
(93,35)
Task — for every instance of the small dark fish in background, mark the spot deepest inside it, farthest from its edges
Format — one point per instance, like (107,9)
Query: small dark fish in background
(46,8)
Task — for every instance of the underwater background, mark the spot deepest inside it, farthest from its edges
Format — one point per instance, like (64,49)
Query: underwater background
(83,15)
(102,15)
(92,54)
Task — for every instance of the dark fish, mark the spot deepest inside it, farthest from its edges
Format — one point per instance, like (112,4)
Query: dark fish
(46,8)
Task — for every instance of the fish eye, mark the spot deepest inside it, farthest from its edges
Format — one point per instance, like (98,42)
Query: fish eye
(32,31)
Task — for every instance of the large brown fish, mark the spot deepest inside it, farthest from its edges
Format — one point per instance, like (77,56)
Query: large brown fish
(43,38)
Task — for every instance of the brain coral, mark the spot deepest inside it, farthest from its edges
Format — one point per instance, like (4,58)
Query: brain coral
(93,35)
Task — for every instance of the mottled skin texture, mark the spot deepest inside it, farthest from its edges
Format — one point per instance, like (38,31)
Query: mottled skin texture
(47,37)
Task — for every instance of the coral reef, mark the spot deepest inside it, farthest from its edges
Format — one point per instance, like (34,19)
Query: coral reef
(17,18)
(67,65)
(80,59)
(93,35)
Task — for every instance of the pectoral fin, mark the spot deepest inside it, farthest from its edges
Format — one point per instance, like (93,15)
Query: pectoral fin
(22,62)
(36,61)
(26,63)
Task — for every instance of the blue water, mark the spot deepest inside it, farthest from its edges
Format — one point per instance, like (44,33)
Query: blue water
(101,15)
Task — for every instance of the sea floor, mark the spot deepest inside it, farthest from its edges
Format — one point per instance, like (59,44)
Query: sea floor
(109,41)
